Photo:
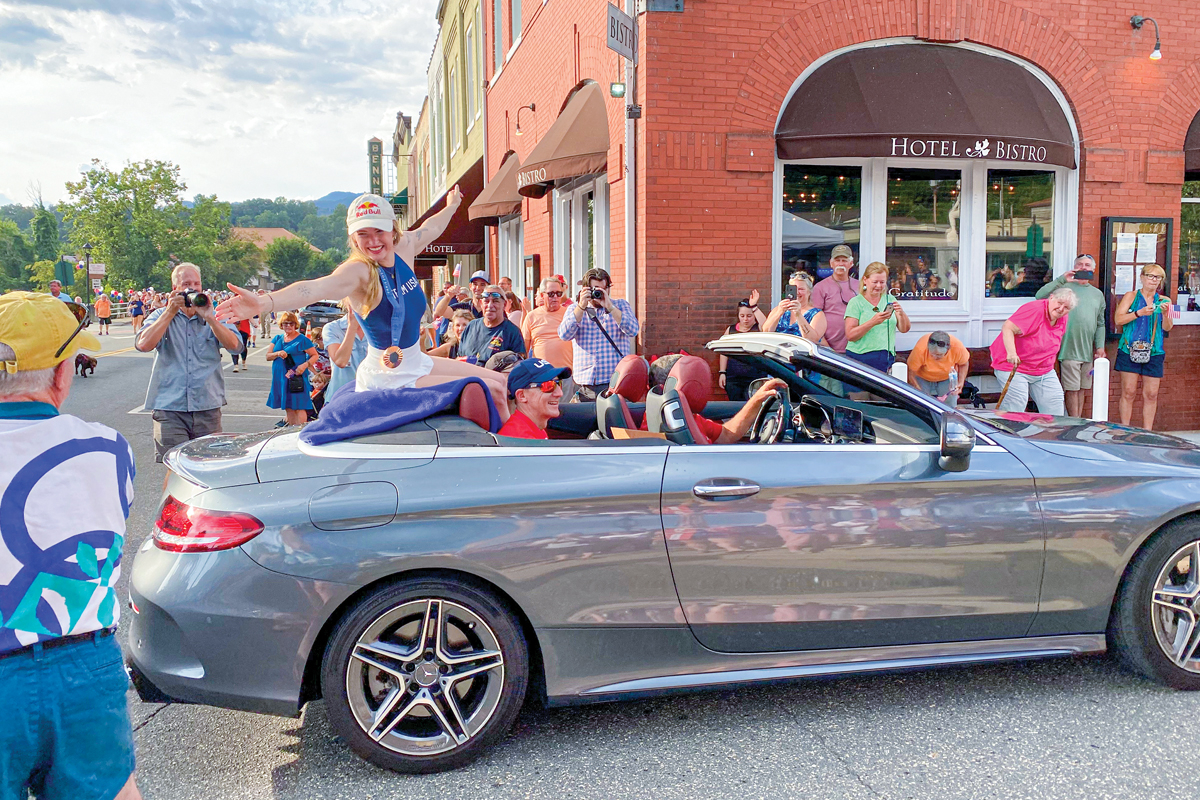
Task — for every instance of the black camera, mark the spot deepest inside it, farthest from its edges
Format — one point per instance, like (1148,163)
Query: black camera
(596,294)
(192,298)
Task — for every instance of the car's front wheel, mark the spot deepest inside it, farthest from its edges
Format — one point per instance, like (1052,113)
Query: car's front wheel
(1155,626)
(425,675)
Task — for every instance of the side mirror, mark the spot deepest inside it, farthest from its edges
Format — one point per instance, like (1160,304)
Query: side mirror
(957,440)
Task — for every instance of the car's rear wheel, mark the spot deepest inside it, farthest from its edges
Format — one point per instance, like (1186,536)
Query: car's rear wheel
(1155,626)
(425,675)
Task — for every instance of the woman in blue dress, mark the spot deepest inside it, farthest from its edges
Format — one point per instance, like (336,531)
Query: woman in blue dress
(292,354)
(386,298)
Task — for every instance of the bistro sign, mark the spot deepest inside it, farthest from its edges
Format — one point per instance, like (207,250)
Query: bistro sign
(905,146)
(531,176)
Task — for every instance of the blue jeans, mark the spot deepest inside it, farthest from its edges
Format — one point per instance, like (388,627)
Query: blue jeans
(66,731)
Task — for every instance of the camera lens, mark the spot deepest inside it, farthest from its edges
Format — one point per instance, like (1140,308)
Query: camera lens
(193,298)
(597,294)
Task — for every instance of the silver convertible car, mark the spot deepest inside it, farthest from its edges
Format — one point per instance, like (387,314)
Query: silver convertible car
(427,580)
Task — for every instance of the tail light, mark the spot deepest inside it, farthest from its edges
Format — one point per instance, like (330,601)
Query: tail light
(185,529)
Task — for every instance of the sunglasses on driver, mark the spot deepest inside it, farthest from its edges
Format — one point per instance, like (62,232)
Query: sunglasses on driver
(546,386)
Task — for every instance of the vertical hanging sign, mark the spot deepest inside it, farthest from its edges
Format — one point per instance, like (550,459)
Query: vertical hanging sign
(375,159)
(622,36)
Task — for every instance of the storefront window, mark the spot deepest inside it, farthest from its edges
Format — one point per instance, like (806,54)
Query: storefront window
(1189,245)
(1020,232)
(924,209)
(821,208)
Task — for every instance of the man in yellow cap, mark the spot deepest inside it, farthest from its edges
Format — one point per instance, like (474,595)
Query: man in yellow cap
(62,737)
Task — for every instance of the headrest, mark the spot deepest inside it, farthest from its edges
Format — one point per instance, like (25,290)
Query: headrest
(693,380)
(473,405)
(631,378)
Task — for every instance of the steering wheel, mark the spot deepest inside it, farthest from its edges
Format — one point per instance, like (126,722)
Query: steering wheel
(773,418)
(824,433)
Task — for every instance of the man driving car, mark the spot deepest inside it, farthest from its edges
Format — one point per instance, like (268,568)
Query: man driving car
(694,382)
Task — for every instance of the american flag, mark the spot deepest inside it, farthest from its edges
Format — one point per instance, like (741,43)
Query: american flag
(1174,311)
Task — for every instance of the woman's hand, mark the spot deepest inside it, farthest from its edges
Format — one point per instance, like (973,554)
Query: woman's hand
(721,380)
(243,305)
(1013,359)
(754,297)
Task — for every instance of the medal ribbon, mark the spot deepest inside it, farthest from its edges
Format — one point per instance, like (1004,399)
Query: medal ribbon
(393,295)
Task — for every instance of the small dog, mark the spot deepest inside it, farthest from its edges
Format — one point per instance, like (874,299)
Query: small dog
(84,364)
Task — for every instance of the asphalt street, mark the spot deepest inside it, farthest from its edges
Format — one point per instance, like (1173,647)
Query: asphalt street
(1075,728)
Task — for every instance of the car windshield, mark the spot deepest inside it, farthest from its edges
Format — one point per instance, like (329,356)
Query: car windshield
(830,383)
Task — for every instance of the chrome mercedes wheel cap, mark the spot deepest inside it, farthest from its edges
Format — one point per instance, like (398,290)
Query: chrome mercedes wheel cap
(1175,608)
(425,677)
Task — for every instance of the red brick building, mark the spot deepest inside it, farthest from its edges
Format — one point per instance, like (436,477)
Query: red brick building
(953,139)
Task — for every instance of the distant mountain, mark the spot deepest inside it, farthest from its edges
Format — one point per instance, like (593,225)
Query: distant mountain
(329,202)
(4,201)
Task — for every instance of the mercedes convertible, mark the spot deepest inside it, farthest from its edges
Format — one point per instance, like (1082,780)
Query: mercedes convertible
(427,580)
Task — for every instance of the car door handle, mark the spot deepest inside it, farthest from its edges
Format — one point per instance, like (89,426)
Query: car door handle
(725,489)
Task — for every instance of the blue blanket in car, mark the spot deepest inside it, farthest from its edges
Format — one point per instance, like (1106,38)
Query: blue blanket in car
(350,414)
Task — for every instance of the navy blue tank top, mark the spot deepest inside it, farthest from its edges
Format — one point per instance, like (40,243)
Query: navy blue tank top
(378,323)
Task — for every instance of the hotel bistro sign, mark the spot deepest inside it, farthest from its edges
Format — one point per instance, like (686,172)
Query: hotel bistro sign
(1000,150)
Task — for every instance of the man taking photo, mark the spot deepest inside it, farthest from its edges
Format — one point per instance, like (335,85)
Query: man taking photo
(187,387)
(65,492)
(601,331)
(1084,340)
(536,387)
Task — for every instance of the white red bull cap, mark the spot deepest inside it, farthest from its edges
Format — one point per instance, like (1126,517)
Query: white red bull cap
(370,211)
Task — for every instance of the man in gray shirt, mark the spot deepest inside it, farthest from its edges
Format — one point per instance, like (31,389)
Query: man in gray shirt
(187,388)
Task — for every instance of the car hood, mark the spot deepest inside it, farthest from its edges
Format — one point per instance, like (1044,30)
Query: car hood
(1091,440)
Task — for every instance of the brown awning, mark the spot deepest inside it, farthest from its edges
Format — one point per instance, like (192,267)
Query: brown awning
(499,198)
(462,237)
(927,101)
(576,144)
(1191,151)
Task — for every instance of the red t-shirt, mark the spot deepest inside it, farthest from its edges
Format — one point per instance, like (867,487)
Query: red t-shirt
(244,326)
(1038,344)
(711,430)
(520,426)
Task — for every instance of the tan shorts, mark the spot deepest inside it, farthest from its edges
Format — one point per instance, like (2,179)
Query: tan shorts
(1076,375)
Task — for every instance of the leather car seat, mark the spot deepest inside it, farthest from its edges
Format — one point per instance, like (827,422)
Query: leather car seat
(473,405)
(693,380)
(628,384)
(673,415)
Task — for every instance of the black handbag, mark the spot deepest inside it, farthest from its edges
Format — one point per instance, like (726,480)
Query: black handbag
(295,384)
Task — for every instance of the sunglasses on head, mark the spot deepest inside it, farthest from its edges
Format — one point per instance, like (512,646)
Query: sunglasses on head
(744,304)
(81,315)
(492,296)
(546,386)
(1085,255)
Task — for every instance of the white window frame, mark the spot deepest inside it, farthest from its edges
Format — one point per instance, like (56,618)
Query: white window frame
(469,74)
(480,60)
(452,116)
(971,319)
(512,252)
(570,222)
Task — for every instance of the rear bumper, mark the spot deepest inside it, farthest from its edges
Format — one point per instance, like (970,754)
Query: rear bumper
(218,629)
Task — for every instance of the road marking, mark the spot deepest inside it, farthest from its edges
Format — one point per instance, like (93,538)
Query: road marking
(113,353)
(142,410)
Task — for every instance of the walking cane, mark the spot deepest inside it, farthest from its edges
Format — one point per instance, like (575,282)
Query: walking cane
(1007,383)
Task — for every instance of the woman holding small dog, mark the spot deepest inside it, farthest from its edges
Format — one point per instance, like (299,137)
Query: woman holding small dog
(293,355)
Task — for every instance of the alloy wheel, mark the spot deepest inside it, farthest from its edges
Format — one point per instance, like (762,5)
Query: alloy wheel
(425,677)
(1175,607)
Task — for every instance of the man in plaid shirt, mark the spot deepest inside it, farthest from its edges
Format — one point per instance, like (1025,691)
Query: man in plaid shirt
(601,331)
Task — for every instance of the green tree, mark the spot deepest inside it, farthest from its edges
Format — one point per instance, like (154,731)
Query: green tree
(45,234)
(289,259)
(42,272)
(16,255)
(134,218)
(328,233)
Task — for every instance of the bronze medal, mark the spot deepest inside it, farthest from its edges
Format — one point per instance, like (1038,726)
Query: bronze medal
(392,357)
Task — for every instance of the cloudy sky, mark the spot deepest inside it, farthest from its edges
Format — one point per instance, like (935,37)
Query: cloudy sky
(251,98)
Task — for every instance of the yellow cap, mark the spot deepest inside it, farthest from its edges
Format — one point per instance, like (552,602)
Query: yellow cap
(36,325)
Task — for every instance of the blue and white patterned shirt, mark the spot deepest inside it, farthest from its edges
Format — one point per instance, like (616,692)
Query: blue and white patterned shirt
(594,358)
(65,490)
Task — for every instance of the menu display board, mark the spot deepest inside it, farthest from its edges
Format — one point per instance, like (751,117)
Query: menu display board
(1127,245)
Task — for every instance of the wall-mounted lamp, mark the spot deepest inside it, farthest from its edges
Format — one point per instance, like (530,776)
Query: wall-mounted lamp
(616,89)
(531,107)
(1136,22)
